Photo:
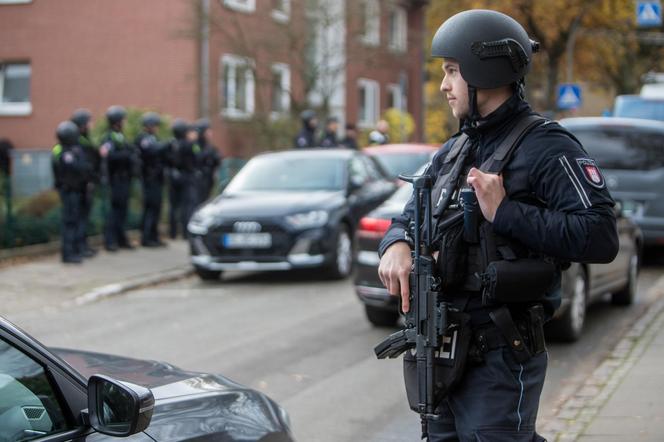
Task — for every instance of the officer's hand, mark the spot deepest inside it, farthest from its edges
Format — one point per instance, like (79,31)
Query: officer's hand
(394,271)
(489,190)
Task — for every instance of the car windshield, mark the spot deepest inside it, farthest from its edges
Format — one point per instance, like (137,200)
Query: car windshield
(626,148)
(637,107)
(273,173)
(407,162)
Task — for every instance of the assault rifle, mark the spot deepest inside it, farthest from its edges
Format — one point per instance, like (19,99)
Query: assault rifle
(426,320)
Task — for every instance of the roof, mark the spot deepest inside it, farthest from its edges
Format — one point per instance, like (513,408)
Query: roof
(613,121)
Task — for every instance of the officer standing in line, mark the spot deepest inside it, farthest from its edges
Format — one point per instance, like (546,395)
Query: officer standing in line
(380,135)
(329,138)
(153,161)
(350,140)
(82,118)
(71,172)
(550,206)
(182,182)
(208,160)
(307,136)
(121,162)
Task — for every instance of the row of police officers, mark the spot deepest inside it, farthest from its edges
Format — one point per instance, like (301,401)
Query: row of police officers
(186,164)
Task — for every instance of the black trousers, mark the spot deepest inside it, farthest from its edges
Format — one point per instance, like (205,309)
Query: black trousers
(183,198)
(152,198)
(116,225)
(496,401)
(87,198)
(71,220)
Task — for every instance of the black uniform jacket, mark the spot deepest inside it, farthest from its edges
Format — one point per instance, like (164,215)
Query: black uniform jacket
(557,203)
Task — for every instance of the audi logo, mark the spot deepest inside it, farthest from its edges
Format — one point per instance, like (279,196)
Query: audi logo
(246,227)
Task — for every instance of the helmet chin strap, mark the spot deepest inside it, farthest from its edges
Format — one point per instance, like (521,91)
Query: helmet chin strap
(473,112)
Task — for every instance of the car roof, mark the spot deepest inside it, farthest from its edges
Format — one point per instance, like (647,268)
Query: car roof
(309,153)
(613,122)
(387,149)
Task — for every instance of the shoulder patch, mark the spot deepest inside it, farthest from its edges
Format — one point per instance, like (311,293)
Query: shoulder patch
(591,172)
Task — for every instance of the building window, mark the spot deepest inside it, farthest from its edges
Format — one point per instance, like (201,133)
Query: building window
(13,2)
(241,5)
(395,97)
(280,89)
(398,38)
(15,89)
(237,87)
(281,10)
(370,19)
(369,103)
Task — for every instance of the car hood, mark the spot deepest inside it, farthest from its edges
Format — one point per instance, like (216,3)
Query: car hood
(189,405)
(261,204)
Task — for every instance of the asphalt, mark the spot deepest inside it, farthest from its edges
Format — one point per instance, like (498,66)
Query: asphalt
(621,400)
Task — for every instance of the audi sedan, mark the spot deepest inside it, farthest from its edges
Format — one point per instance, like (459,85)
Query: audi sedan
(581,283)
(288,210)
(63,395)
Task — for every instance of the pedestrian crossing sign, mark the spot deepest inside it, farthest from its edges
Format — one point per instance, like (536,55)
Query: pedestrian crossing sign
(569,96)
(649,13)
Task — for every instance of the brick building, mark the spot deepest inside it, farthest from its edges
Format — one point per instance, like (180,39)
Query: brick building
(249,65)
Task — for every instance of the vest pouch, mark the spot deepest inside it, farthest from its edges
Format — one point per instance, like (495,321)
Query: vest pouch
(449,361)
(452,257)
(519,280)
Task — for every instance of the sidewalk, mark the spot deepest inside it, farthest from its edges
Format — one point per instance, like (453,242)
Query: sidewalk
(623,400)
(46,283)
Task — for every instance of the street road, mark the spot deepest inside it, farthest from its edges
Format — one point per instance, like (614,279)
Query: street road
(304,342)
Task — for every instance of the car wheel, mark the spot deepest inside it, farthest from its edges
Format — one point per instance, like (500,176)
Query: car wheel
(628,293)
(207,275)
(569,326)
(342,259)
(381,317)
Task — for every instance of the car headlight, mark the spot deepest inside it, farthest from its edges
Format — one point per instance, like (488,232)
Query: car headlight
(308,220)
(197,226)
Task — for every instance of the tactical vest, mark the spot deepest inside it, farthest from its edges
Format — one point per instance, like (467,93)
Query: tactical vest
(461,262)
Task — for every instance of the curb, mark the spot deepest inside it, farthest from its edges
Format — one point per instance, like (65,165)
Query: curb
(576,414)
(115,289)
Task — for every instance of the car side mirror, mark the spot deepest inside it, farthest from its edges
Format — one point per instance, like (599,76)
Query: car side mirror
(118,408)
(356,183)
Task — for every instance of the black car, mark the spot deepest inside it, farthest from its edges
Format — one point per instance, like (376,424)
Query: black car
(581,283)
(288,210)
(62,395)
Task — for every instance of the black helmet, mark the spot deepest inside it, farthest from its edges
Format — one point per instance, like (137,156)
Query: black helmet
(151,119)
(81,117)
(115,114)
(180,128)
(307,115)
(67,133)
(492,48)
(202,125)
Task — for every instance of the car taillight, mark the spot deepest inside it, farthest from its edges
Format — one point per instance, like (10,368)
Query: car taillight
(373,227)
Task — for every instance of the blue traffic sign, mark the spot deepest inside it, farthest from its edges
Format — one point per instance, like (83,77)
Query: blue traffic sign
(569,96)
(648,13)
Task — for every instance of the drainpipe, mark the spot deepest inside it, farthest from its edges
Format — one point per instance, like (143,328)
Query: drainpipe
(204,99)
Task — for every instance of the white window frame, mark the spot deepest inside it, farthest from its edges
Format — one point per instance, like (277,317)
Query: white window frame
(282,15)
(241,5)
(371,27)
(284,71)
(14,2)
(394,90)
(234,62)
(398,39)
(372,102)
(13,109)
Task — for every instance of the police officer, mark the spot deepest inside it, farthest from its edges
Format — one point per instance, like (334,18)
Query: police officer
(122,162)
(550,205)
(307,136)
(71,171)
(82,118)
(153,161)
(208,160)
(329,138)
(350,140)
(182,182)
(380,135)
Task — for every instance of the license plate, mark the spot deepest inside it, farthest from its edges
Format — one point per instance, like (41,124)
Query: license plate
(247,240)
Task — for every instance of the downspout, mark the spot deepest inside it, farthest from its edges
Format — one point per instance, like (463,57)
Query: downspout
(204,98)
